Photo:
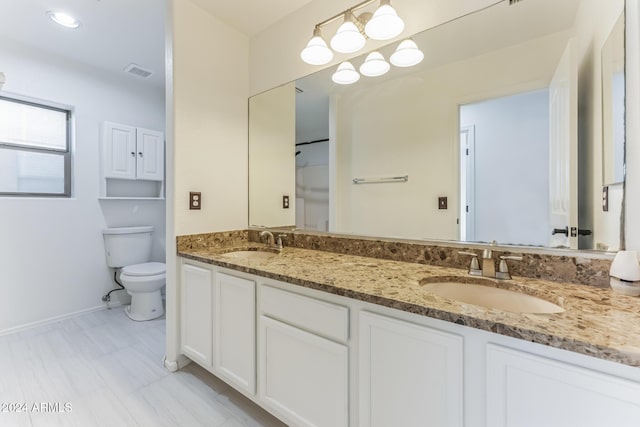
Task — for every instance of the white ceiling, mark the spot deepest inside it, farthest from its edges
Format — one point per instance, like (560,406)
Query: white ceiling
(115,33)
(251,16)
(112,34)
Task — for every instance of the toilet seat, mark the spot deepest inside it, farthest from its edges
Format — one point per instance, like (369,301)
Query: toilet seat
(144,282)
(145,269)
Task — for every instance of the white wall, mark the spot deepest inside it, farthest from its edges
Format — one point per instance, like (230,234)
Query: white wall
(511,156)
(422,138)
(52,252)
(211,74)
(272,132)
(207,127)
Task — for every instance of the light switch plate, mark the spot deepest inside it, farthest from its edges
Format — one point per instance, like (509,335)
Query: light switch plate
(195,200)
(285,202)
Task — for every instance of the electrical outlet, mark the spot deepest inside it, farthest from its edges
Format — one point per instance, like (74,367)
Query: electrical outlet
(442,203)
(195,200)
(285,202)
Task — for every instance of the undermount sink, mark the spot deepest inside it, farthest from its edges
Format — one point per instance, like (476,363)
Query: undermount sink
(250,254)
(491,297)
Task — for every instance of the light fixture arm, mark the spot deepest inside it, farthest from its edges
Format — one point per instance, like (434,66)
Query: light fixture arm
(350,10)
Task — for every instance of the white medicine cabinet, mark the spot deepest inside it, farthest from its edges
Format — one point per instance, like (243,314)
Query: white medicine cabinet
(132,162)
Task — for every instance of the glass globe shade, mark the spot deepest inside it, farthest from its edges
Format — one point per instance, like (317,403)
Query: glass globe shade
(407,54)
(385,24)
(374,65)
(316,52)
(346,74)
(348,38)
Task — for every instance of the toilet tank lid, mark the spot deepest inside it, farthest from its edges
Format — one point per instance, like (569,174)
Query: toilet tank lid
(146,269)
(128,230)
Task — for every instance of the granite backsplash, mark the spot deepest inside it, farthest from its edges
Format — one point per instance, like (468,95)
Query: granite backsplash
(592,270)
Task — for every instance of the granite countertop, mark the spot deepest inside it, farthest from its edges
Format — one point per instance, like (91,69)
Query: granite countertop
(596,322)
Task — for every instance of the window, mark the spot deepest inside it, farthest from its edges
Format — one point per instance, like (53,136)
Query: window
(35,155)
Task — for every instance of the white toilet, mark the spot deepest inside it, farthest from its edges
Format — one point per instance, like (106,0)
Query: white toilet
(129,249)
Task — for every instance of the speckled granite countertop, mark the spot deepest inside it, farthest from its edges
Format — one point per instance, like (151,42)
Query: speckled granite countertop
(596,322)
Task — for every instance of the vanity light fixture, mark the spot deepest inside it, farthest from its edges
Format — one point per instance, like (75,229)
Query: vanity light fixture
(351,36)
(374,65)
(64,19)
(346,74)
(316,52)
(407,54)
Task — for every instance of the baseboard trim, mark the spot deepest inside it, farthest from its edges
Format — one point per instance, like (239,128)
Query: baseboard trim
(54,319)
(175,365)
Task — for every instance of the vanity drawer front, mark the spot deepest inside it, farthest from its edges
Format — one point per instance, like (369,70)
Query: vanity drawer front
(319,317)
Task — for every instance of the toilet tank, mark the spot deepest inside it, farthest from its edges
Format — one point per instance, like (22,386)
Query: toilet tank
(127,245)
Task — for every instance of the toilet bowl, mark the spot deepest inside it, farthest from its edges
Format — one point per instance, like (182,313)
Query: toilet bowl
(128,249)
(144,283)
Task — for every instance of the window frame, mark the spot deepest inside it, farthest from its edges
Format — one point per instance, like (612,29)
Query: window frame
(66,153)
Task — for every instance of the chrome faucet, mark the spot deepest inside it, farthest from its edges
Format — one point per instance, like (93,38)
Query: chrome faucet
(488,264)
(270,238)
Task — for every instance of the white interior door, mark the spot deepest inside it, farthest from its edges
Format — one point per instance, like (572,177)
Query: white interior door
(563,151)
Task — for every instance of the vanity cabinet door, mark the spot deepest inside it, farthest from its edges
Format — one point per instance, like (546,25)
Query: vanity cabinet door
(410,375)
(525,390)
(197,303)
(303,377)
(235,331)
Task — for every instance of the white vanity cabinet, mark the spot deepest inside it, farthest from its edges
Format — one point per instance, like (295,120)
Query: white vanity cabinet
(234,318)
(303,359)
(219,323)
(329,361)
(197,313)
(526,390)
(410,375)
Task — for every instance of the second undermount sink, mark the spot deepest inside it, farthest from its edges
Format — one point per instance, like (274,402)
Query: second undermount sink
(492,297)
(250,254)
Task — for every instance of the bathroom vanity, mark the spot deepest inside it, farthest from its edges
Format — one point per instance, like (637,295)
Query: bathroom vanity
(325,339)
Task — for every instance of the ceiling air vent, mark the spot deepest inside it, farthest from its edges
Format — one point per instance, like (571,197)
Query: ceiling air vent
(137,71)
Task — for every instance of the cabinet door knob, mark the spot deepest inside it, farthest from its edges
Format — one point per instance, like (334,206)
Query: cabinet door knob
(140,154)
(133,153)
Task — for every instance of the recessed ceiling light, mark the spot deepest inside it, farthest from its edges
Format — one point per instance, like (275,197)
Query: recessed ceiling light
(63,19)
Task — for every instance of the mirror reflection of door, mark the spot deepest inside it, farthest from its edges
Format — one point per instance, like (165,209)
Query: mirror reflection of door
(563,154)
(467,180)
(507,144)
(312,160)
(507,150)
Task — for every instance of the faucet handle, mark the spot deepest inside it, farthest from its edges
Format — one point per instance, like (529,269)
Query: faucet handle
(474,267)
(279,244)
(503,268)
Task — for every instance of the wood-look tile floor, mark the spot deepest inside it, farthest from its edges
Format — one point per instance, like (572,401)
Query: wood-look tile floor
(108,371)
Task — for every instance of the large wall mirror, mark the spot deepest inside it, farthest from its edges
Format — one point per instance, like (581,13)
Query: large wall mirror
(503,132)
